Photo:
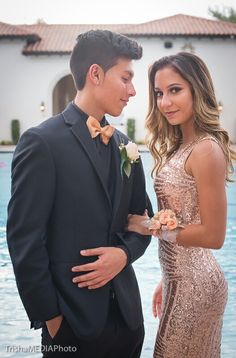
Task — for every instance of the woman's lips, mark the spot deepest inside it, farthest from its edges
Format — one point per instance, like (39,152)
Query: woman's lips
(170,114)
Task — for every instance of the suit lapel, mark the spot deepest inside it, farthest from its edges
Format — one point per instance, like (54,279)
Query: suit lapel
(80,131)
(115,142)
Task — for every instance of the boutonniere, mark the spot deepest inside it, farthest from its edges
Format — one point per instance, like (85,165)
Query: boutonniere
(129,155)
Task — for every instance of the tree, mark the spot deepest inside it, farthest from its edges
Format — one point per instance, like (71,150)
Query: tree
(226,14)
(40,20)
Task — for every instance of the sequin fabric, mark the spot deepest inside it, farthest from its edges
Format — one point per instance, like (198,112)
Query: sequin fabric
(194,287)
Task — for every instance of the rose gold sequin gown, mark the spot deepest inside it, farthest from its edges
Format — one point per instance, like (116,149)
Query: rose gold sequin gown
(195,290)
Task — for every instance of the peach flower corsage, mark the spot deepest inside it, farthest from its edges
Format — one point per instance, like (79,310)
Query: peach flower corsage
(163,220)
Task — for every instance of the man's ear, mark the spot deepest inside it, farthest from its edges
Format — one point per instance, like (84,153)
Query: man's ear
(95,74)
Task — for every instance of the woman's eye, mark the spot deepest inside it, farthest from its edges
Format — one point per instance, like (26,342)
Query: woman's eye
(158,93)
(175,89)
(125,79)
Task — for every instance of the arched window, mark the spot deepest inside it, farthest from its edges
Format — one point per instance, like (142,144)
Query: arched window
(63,93)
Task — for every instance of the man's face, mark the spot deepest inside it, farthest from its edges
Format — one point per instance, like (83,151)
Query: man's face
(116,87)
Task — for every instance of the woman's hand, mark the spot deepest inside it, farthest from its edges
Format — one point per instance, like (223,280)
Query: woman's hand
(138,223)
(157,301)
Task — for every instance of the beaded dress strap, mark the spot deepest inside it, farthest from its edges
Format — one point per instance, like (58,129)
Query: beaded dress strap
(188,149)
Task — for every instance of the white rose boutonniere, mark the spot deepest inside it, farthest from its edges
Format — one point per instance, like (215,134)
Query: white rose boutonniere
(129,155)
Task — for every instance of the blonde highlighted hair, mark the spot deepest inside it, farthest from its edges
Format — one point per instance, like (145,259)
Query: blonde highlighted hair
(163,139)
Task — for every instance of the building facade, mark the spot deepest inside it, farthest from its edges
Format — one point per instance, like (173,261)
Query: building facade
(36,81)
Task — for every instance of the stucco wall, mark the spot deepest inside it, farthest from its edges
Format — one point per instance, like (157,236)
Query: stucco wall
(26,81)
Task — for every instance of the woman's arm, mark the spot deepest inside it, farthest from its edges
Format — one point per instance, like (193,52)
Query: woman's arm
(157,300)
(208,167)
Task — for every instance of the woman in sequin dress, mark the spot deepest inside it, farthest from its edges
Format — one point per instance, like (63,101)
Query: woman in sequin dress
(193,159)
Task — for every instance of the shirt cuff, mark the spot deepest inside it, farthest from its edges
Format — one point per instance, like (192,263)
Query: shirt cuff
(124,248)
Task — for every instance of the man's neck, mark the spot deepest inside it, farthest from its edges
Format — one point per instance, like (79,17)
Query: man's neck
(87,105)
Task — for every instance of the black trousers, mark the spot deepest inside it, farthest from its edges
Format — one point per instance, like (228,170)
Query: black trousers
(116,340)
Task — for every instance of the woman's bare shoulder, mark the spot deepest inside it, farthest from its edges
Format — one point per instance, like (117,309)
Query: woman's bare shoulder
(207,147)
(208,158)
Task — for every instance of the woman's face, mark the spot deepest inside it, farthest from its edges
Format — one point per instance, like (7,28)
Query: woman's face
(174,97)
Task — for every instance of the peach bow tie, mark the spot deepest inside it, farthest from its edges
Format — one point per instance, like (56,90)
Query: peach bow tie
(95,129)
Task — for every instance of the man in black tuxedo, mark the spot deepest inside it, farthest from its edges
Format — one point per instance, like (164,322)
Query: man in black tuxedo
(71,255)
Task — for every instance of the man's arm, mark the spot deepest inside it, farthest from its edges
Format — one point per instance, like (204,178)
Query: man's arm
(112,260)
(33,184)
(135,243)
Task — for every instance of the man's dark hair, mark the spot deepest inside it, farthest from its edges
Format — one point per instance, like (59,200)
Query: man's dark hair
(102,47)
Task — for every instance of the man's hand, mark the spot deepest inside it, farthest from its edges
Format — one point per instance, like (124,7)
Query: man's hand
(53,325)
(111,260)
(138,223)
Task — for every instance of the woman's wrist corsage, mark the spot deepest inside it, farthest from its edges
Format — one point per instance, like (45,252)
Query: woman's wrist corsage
(164,225)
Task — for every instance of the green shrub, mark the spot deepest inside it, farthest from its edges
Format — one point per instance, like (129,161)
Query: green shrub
(131,128)
(15,130)
(6,142)
(141,141)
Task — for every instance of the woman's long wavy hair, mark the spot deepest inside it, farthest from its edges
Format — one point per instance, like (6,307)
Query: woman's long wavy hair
(163,139)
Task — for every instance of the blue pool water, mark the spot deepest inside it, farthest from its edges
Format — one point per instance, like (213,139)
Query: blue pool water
(16,340)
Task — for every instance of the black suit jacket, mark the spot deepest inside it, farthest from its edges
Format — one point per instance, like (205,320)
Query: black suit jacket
(59,206)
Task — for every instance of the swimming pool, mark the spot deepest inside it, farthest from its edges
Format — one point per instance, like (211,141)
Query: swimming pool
(14,328)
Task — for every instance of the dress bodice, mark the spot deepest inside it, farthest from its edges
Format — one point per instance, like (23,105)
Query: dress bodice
(177,190)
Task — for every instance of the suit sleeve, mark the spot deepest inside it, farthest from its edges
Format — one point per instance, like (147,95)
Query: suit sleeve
(33,186)
(134,243)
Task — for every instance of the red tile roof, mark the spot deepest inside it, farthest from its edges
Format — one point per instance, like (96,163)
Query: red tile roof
(10,31)
(61,38)
(184,25)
